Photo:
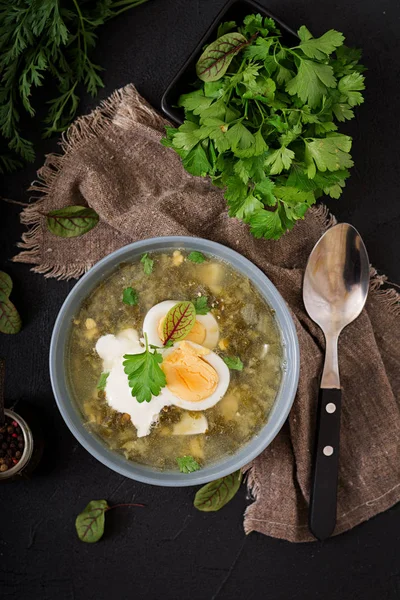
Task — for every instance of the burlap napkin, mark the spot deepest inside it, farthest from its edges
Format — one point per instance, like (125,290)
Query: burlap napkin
(113,162)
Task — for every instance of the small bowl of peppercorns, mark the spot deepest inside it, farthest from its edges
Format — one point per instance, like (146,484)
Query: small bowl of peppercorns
(16,445)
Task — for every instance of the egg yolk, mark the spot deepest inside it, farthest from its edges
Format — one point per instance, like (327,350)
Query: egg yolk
(196,335)
(188,375)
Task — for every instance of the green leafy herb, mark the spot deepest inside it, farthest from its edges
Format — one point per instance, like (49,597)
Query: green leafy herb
(201,305)
(147,264)
(47,43)
(89,523)
(10,321)
(196,257)
(101,384)
(216,494)
(187,464)
(130,296)
(145,376)
(233,362)
(71,221)
(179,321)
(262,121)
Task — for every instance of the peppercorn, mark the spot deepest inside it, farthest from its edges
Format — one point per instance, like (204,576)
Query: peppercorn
(12,445)
(15,424)
(20,445)
(20,438)
(3,468)
(18,454)
(14,435)
(10,429)
(4,446)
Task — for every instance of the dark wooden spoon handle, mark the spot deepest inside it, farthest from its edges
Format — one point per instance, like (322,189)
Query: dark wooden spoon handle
(322,514)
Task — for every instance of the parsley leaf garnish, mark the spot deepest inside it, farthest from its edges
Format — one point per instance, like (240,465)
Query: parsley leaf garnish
(196,257)
(201,305)
(130,296)
(233,362)
(147,264)
(145,376)
(262,123)
(187,464)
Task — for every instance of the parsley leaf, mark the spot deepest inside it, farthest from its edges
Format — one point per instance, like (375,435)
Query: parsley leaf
(145,376)
(201,305)
(196,257)
(233,362)
(320,47)
(147,264)
(187,464)
(311,82)
(330,153)
(130,296)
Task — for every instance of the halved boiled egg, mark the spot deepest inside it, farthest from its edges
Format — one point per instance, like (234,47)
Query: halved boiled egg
(205,331)
(196,377)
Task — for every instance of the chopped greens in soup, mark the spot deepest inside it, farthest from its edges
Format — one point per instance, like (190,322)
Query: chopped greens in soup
(175,355)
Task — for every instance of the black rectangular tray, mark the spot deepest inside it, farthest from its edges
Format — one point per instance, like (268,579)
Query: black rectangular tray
(234,10)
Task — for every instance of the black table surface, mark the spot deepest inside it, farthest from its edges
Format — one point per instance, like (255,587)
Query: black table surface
(168,549)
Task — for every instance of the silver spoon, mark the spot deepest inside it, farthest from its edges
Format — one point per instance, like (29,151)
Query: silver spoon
(335,289)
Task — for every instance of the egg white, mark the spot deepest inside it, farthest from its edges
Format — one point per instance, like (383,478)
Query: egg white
(158,312)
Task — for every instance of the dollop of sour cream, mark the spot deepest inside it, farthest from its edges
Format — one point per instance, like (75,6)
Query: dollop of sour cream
(111,349)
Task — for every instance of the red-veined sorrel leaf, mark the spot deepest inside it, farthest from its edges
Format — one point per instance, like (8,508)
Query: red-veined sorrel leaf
(90,522)
(216,58)
(71,221)
(5,285)
(179,321)
(10,321)
(216,494)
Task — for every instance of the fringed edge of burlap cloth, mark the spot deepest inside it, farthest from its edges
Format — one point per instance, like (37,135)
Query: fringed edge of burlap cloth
(84,128)
(90,126)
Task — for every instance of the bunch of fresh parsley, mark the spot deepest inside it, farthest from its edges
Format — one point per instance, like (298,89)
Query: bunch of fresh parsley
(261,122)
(47,40)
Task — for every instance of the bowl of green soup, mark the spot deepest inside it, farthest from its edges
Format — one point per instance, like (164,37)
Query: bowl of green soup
(174,361)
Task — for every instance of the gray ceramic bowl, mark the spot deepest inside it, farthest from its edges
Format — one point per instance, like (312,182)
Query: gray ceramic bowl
(71,413)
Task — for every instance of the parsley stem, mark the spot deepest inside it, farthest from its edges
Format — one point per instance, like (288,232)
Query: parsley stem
(82,27)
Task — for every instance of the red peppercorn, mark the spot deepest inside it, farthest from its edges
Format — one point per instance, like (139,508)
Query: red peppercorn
(14,435)
(15,423)
(15,460)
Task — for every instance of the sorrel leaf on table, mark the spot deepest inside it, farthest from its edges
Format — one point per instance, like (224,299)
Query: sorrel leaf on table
(145,376)
(187,464)
(201,305)
(5,285)
(196,257)
(265,128)
(214,495)
(101,384)
(233,362)
(217,57)
(10,321)
(90,522)
(130,296)
(71,221)
(147,263)
(179,321)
